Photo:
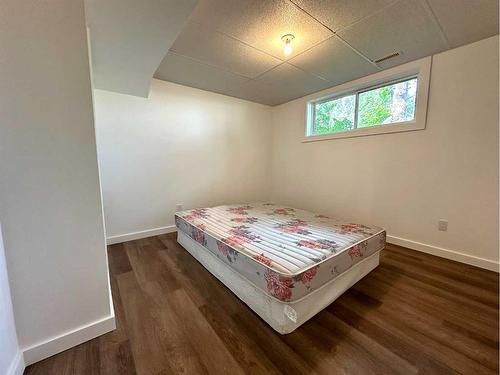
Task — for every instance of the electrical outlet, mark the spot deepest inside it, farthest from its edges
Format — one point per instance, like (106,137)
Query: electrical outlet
(178,207)
(443,225)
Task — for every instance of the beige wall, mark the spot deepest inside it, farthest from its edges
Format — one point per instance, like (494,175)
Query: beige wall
(50,203)
(406,182)
(179,146)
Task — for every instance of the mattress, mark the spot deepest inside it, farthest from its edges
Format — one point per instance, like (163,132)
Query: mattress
(285,252)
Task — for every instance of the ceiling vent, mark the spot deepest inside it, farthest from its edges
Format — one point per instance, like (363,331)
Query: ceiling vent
(385,58)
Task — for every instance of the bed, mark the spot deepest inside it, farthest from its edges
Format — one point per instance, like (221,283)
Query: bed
(285,264)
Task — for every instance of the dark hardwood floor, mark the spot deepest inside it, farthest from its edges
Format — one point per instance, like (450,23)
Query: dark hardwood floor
(415,313)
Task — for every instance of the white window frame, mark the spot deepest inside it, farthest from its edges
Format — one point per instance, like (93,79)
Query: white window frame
(420,69)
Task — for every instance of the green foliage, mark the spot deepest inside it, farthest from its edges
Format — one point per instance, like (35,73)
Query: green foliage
(375,106)
(335,116)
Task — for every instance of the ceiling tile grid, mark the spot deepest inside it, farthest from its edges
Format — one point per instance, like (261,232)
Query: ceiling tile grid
(338,14)
(186,71)
(334,61)
(234,47)
(405,27)
(466,21)
(220,50)
(262,23)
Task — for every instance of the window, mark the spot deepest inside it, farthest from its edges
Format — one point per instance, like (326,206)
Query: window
(387,102)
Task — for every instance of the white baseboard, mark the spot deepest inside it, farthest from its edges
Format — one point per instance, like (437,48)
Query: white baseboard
(445,253)
(67,340)
(141,234)
(17,366)
(414,245)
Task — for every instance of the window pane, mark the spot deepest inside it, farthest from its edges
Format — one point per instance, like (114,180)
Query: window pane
(387,104)
(335,115)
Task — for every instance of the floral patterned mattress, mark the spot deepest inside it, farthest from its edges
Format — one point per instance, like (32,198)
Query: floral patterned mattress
(285,252)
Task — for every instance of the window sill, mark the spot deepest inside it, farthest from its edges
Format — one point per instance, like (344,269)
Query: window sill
(379,129)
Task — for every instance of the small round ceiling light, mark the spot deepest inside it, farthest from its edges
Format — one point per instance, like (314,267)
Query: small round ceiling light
(287,40)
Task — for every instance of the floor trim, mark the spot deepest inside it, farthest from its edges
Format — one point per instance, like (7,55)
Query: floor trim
(67,340)
(445,253)
(141,234)
(17,366)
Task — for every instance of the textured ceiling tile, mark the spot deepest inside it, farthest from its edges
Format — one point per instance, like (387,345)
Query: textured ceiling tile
(266,94)
(466,21)
(403,27)
(287,82)
(334,61)
(262,23)
(185,71)
(261,93)
(275,87)
(217,49)
(286,74)
(337,14)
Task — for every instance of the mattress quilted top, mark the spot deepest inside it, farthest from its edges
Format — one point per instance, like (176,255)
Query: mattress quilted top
(286,240)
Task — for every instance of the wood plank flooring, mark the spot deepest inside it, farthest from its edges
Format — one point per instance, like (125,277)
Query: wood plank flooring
(415,313)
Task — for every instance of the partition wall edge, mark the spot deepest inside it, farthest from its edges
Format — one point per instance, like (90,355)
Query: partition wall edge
(50,200)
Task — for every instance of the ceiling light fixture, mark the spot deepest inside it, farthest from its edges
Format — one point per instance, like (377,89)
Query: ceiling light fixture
(287,39)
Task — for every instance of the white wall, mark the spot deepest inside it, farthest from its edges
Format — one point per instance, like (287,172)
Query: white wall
(406,182)
(180,145)
(10,356)
(50,204)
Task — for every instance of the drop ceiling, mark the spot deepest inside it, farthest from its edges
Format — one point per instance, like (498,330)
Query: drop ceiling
(234,47)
